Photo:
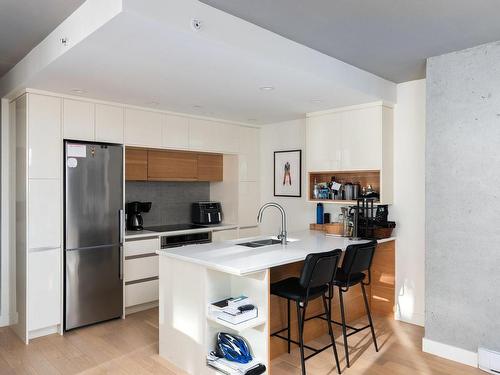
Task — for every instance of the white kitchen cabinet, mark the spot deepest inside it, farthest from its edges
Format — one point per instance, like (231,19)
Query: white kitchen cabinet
(44,214)
(362,139)
(109,123)
(324,142)
(347,139)
(140,268)
(143,128)
(356,139)
(175,133)
(206,135)
(141,293)
(133,248)
(249,155)
(248,203)
(44,133)
(78,120)
(44,289)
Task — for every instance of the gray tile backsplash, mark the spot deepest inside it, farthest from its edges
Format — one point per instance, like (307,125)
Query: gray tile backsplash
(171,200)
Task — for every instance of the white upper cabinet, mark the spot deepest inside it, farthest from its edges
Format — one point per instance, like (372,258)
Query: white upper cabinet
(324,142)
(176,132)
(206,135)
(349,139)
(78,120)
(44,214)
(249,156)
(109,123)
(44,133)
(362,139)
(143,128)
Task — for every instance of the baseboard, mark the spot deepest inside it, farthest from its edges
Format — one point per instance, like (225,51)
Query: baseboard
(450,352)
(8,320)
(417,319)
(43,332)
(142,307)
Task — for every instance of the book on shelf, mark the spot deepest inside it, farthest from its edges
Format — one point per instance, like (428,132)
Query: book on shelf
(220,305)
(235,316)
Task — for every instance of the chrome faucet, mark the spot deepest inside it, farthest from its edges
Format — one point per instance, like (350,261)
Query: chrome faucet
(282,235)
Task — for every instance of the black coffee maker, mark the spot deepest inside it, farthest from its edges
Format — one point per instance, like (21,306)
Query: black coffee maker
(134,217)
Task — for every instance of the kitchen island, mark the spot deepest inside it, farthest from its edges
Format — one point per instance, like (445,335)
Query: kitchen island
(192,277)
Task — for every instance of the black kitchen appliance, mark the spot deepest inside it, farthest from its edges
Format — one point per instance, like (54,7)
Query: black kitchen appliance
(134,217)
(206,213)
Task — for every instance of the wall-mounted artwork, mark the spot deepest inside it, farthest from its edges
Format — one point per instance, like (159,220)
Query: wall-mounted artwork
(287,173)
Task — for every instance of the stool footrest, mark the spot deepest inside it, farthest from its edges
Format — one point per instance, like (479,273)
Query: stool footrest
(314,350)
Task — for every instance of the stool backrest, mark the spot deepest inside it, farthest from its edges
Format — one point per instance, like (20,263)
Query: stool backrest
(319,268)
(358,258)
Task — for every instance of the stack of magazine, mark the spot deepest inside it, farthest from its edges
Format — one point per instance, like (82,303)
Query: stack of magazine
(228,310)
(234,368)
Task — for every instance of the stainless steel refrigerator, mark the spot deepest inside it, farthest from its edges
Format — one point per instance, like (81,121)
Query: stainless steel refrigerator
(93,225)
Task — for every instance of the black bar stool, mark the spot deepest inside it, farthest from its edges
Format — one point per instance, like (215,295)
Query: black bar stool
(357,261)
(315,280)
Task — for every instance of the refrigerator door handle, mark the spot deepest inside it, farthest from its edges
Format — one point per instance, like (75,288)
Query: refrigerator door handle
(122,226)
(121,262)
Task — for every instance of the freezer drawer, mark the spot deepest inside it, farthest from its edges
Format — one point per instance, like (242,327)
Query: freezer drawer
(93,285)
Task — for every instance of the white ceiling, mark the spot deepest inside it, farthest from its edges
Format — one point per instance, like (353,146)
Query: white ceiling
(390,38)
(148,55)
(24,23)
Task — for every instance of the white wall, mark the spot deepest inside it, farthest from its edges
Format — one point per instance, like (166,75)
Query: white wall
(289,135)
(409,200)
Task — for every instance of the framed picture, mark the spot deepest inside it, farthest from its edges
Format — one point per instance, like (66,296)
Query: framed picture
(288,173)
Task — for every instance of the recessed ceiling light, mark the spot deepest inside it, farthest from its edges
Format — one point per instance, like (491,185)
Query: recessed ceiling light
(153,104)
(266,88)
(196,106)
(252,120)
(316,100)
(78,91)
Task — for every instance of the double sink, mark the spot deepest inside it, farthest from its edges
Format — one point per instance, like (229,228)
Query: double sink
(260,243)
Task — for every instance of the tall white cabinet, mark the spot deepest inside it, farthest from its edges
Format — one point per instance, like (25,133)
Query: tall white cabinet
(352,139)
(39,214)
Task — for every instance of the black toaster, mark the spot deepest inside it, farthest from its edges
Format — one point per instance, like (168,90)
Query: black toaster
(206,213)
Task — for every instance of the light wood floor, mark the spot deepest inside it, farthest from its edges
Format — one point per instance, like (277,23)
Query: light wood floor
(130,347)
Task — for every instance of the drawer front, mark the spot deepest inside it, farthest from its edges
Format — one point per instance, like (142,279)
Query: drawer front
(140,247)
(141,268)
(139,293)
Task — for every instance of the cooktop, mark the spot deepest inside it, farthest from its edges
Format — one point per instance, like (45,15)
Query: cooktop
(173,227)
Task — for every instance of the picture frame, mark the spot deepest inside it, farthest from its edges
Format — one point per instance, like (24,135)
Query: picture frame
(288,173)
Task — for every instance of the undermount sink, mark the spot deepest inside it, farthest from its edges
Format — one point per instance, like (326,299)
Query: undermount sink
(260,243)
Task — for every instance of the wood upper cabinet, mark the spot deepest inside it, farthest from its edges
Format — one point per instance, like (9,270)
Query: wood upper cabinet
(172,166)
(210,167)
(136,164)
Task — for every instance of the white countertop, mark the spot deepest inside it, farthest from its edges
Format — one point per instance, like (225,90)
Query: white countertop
(227,256)
(207,228)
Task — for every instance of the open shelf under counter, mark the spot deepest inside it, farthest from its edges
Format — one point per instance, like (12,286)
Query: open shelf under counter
(249,324)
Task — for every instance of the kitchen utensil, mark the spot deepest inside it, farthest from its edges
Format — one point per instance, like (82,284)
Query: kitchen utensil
(348,191)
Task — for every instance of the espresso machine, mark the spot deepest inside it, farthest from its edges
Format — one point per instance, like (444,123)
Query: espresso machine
(134,217)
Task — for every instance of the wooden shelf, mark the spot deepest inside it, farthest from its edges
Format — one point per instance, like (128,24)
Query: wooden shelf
(252,323)
(342,203)
(364,178)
